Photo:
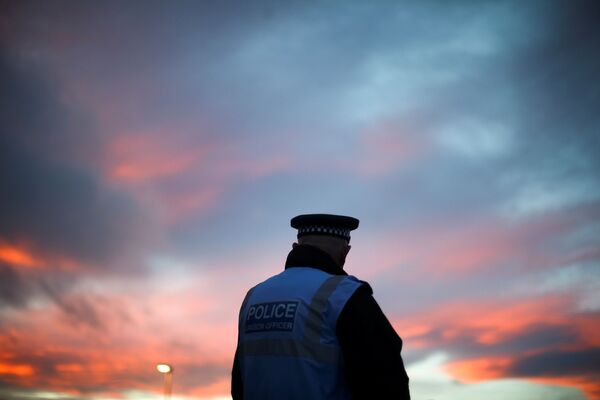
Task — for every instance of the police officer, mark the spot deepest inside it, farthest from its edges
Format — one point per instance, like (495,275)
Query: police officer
(315,332)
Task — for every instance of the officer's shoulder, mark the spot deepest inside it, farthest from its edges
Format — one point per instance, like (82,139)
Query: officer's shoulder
(364,289)
(360,309)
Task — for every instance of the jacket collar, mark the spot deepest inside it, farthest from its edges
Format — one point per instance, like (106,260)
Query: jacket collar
(304,255)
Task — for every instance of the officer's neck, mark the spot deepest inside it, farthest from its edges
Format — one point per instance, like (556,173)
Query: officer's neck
(305,255)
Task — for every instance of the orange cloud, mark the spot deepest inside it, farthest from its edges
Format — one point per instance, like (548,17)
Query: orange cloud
(18,256)
(19,370)
(69,368)
(479,369)
(24,256)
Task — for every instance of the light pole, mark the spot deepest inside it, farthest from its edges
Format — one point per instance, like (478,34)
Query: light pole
(167,371)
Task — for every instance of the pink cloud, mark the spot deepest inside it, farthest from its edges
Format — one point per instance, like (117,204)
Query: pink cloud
(180,172)
(387,147)
(439,250)
(192,201)
(488,321)
(138,157)
(451,248)
(252,166)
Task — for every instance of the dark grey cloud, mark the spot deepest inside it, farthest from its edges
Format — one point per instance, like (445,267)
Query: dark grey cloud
(540,336)
(49,197)
(14,289)
(165,55)
(18,287)
(583,362)
(79,310)
(87,310)
(559,74)
(557,79)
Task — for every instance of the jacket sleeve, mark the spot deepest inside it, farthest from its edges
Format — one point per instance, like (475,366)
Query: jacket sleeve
(371,350)
(237,391)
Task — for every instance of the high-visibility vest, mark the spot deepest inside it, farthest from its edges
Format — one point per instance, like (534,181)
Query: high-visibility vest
(287,344)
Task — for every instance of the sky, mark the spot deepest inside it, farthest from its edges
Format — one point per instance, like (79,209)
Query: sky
(152,154)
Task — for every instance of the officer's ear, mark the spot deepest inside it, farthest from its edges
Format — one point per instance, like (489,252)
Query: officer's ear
(294,245)
(344,254)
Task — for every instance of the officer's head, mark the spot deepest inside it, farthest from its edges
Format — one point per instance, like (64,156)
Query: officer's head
(330,233)
(336,247)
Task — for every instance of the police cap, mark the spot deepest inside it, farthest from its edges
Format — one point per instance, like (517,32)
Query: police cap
(324,224)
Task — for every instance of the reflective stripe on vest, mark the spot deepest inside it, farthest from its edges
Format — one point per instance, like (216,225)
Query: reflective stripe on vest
(291,348)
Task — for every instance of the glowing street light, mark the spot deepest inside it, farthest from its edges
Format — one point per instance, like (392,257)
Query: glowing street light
(167,371)
(163,368)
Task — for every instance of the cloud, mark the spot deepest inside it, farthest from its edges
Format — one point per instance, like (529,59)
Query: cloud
(489,324)
(14,290)
(91,311)
(429,379)
(457,256)
(22,288)
(51,201)
(152,155)
(575,368)
(558,363)
(501,339)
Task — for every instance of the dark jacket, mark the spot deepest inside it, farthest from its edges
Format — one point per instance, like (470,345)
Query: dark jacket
(370,345)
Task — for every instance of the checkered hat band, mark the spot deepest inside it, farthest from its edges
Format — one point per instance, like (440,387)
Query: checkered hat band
(327,230)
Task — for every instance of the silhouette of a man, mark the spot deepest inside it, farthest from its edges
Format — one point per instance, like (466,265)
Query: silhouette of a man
(315,332)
